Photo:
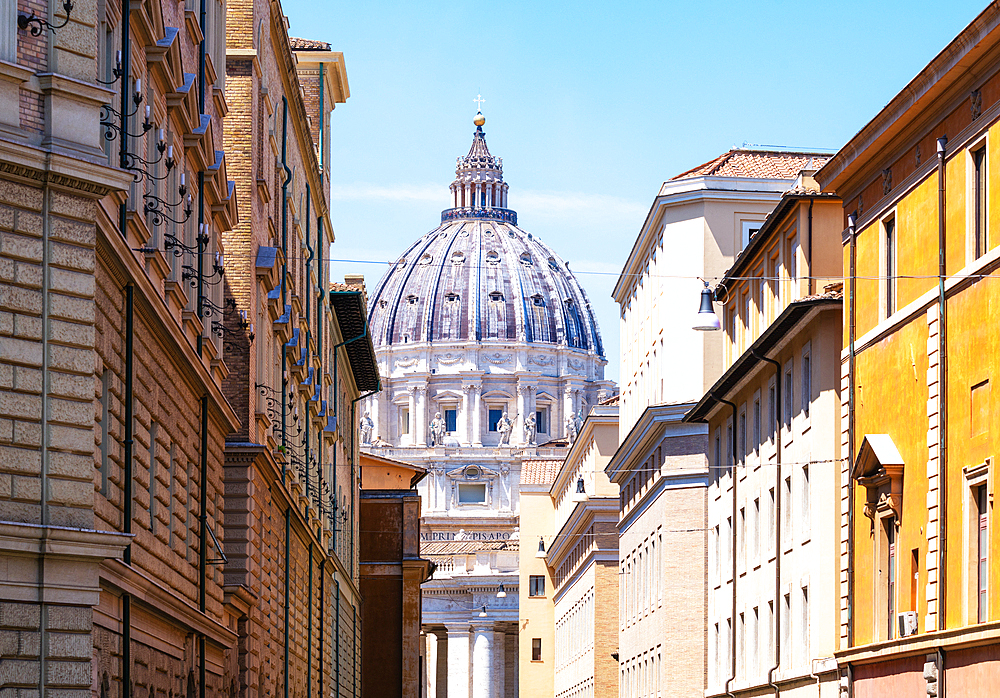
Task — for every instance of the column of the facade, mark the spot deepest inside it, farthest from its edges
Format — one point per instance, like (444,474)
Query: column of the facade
(482,661)
(466,428)
(430,665)
(499,663)
(477,417)
(421,415)
(458,661)
(411,394)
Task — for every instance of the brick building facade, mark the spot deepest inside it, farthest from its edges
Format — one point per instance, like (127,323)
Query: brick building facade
(165,532)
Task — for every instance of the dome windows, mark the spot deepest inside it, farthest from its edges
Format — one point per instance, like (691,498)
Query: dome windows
(526,259)
(451,297)
(493,257)
(553,264)
(496,296)
(538,300)
(458,257)
(411,299)
(426,259)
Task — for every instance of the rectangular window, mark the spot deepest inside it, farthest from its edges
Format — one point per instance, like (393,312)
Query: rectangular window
(789,390)
(743,437)
(153,504)
(741,647)
(979,228)
(770,519)
(982,553)
(889,588)
(404,421)
(786,629)
(786,519)
(542,420)
(729,446)
(536,649)
(889,227)
(716,553)
(171,494)
(804,625)
(494,418)
(772,413)
(717,451)
(451,421)
(536,585)
(804,501)
(806,385)
(741,540)
(754,639)
(755,522)
(105,430)
(469,493)
(756,425)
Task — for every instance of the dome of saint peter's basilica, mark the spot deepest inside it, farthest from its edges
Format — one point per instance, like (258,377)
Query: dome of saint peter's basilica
(490,357)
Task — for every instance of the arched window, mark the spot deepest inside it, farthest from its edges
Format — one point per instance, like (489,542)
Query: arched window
(492,257)
(526,259)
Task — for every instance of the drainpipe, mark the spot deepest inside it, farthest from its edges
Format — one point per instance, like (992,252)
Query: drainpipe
(322,109)
(288,541)
(129,427)
(777,502)
(809,259)
(732,634)
(309,632)
(336,637)
(322,621)
(284,288)
(851,360)
(942,399)
(203,541)
(203,15)
(316,374)
(129,476)
(336,403)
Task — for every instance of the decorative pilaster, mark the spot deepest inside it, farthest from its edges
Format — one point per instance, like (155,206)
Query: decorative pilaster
(477,416)
(421,416)
(411,393)
(467,410)
(933,481)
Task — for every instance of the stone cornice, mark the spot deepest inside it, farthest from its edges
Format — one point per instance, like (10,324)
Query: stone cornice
(35,165)
(154,594)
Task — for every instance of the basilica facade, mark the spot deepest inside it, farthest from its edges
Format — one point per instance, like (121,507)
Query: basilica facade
(490,355)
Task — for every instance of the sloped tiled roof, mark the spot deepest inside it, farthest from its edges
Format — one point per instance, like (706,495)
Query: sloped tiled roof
(308,44)
(539,472)
(758,164)
(466,547)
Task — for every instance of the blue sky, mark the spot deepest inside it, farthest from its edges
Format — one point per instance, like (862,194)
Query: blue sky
(592,105)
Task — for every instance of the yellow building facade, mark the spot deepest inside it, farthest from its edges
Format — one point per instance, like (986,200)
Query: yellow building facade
(569,567)
(919,579)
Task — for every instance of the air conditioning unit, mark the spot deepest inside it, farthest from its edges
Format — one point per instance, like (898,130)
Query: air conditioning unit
(907,623)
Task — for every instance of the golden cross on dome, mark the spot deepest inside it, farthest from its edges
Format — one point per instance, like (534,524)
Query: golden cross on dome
(479,102)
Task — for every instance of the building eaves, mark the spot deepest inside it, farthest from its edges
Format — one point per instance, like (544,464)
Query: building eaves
(789,317)
(349,308)
(926,89)
(757,163)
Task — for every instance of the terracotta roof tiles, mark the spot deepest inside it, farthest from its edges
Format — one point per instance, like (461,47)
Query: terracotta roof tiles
(758,164)
(539,472)
(308,44)
(444,548)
